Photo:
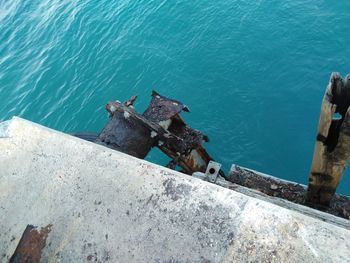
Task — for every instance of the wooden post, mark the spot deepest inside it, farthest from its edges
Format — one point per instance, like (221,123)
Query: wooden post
(332,148)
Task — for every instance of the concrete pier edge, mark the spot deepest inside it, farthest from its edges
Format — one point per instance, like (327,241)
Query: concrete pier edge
(104,206)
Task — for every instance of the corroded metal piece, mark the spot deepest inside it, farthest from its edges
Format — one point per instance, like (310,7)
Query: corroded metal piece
(159,126)
(162,108)
(123,133)
(189,153)
(31,245)
(332,148)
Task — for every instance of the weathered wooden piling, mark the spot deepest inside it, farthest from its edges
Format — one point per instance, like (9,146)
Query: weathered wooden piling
(332,148)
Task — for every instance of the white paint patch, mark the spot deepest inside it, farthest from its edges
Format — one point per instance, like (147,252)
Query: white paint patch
(304,235)
(165,124)
(112,108)
(153,134)
(160,143)
(126,114)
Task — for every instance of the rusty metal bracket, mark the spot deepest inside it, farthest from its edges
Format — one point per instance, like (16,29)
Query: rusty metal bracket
(159,126)
(31,244)
(211,174)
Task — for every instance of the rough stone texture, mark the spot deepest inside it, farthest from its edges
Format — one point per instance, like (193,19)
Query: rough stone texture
(105,206)
(280,189)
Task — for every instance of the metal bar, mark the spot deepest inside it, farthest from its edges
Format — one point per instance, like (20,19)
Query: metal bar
(31,245)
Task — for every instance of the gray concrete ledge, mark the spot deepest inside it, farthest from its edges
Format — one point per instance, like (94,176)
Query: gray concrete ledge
(106,206)
(4,128)
(324,216)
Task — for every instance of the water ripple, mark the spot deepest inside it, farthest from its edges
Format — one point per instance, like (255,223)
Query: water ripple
(252,72)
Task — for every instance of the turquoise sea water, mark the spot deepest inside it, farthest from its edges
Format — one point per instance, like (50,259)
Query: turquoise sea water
(252,72)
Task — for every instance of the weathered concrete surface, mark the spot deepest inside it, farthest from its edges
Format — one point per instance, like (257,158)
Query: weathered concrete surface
(105,206)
